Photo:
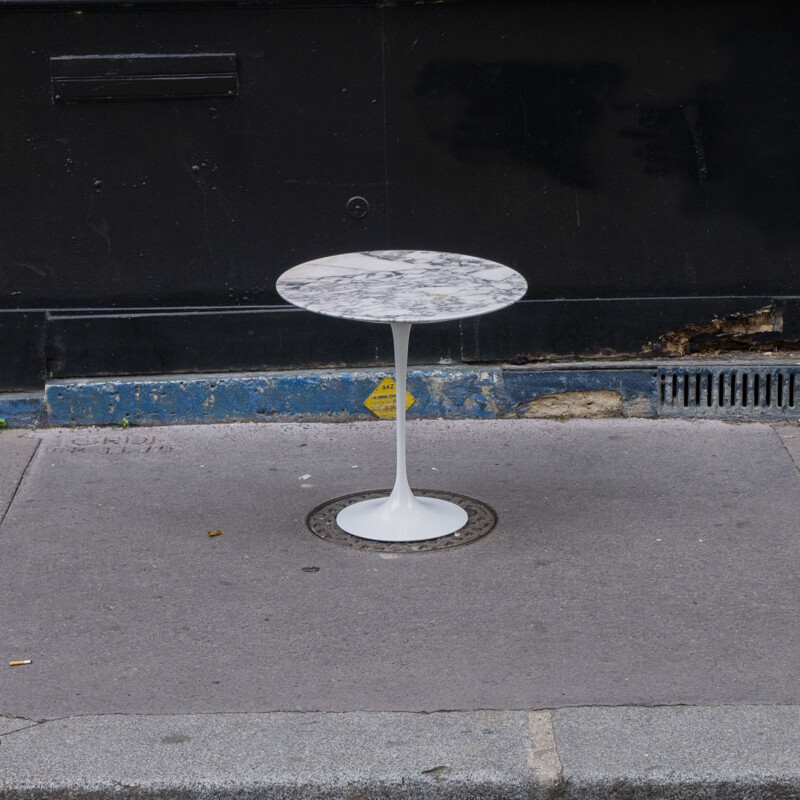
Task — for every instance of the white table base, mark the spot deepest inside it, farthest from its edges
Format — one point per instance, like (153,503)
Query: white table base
(401,517)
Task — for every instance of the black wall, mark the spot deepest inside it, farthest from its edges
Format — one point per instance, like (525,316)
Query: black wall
(637,162)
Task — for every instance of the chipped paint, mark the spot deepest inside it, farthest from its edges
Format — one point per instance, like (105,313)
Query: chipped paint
(639,406)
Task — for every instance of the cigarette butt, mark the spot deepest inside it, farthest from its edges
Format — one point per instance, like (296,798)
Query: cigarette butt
(215,532)
(19,663)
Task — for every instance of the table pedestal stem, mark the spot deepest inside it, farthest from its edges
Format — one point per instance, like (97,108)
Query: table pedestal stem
(401,517)
(401,493)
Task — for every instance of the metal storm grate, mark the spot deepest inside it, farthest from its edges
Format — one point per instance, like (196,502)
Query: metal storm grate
(729,392)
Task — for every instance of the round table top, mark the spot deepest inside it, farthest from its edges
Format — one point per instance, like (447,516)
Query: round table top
(401,286)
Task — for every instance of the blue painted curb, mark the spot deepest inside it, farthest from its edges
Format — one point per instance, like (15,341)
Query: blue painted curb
(22,410)
(323,395)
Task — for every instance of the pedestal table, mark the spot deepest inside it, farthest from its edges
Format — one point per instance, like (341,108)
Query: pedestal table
(401,287)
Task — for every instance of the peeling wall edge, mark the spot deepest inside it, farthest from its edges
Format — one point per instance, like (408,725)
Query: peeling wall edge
(622,389)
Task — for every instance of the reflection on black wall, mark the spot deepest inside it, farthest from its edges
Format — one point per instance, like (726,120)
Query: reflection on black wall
(672,139)
(538,114)
(760,101)
(737,139)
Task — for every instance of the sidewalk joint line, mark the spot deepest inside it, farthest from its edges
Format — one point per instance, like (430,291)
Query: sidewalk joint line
(32,723)
(783,443)
(19,482)
(308,712)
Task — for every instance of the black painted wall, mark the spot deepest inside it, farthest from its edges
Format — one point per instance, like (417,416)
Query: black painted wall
(637,162)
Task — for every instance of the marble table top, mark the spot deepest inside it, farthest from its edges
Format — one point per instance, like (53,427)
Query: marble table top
(401,286)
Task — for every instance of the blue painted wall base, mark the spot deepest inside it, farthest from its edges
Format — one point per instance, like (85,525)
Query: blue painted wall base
(22,410)
(326,395)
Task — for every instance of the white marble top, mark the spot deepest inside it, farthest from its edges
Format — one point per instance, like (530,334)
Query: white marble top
(401,286)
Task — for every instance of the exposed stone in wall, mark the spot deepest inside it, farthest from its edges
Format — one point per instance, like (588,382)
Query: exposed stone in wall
(594,404)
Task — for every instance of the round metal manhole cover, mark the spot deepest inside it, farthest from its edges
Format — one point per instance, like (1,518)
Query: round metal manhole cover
(480,520)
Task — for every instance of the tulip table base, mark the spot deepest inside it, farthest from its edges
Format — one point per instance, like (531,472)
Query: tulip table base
(401,517)
(481,519)
(421,518)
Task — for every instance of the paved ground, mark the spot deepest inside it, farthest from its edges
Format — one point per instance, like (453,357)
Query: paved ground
(629,626)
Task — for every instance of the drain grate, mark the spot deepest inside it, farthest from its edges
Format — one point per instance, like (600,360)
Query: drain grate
(729,391)
(480,520)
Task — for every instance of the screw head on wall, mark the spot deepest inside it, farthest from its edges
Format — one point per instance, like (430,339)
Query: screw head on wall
(357,207)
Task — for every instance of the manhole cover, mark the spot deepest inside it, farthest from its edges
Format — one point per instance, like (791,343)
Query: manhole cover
(480,520)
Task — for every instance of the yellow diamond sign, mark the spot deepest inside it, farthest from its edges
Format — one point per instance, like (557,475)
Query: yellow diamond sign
(382,400)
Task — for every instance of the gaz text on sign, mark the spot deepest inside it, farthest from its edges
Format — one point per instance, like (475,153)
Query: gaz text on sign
(382,400)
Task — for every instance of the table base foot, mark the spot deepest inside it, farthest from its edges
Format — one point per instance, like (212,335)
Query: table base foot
(381,520)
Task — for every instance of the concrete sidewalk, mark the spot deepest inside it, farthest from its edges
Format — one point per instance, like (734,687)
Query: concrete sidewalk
(629,629)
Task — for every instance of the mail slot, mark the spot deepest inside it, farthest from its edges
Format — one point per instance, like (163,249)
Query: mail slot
(141,76)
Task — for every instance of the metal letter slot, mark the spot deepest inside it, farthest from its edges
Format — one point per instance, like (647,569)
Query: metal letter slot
(141,76)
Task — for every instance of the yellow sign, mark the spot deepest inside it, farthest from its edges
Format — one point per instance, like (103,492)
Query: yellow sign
(382,400)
